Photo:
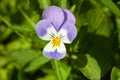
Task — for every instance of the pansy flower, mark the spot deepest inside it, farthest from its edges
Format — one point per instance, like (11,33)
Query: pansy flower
(58,27)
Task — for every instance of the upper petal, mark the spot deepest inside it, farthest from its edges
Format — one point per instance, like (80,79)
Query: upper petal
(68,32)
(45,30)
(54,52)
(55,15)
(70,17)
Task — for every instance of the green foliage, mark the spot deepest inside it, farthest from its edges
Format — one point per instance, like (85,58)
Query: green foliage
(65,70)
(91,70)
(113,8)
(22,57)
(118,29)
(36,63)
(44,3)
(102,23)
(115,74)
(98,26)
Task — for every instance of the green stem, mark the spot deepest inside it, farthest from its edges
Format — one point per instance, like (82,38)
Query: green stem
(10,26)
(78,7)
(56,67)
(26,17)
(20,74)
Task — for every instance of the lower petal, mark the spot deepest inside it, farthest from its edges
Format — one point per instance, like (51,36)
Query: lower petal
(56,53)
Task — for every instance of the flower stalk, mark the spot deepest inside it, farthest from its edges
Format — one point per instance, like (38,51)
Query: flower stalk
(57,69)
(26,17)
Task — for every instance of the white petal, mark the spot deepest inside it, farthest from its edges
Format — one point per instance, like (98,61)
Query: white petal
(54,52)
(63,34)
(51,32)
(68,31)
(45,30)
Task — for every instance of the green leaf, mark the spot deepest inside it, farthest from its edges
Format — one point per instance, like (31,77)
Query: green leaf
(72,9)
(105,27)
(94,18)
(61,70)
(3,74)
(101,48)
(4,61)
(22,57)
(48,77)
(99,22)
(89,67)
(115,74)
(4,33)
(39,43)
(63,3)
(112,7)
(44,3)
(23,28)
(65,71)
(18,44)
(118,29)
(36,64)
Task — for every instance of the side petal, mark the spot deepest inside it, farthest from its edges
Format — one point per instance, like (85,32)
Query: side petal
(45,30)
(56,53)
(55,15)
(68,32)
(69,15)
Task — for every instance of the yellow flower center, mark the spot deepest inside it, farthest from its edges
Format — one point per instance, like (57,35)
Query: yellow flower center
(56,41)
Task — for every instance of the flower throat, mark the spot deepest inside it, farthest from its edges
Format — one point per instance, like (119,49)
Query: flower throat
(56,42)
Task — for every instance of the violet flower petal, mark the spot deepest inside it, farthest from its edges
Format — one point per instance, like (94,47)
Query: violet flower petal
(54,52)
(55,15)
(70,16)
(68,32)
(45,30)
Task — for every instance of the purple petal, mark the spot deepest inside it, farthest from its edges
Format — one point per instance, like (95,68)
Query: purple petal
(55,15)
(54,55)
(70,16)
(54,52)
(68,30)
(44,29)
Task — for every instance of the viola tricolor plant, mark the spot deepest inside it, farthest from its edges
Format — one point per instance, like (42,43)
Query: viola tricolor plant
(58,27)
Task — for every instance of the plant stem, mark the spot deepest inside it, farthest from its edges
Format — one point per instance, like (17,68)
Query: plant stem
(20,75)
(26,17)
(10,26)
(56,67)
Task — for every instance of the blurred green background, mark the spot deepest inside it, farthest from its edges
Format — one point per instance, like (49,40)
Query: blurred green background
(93,55)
